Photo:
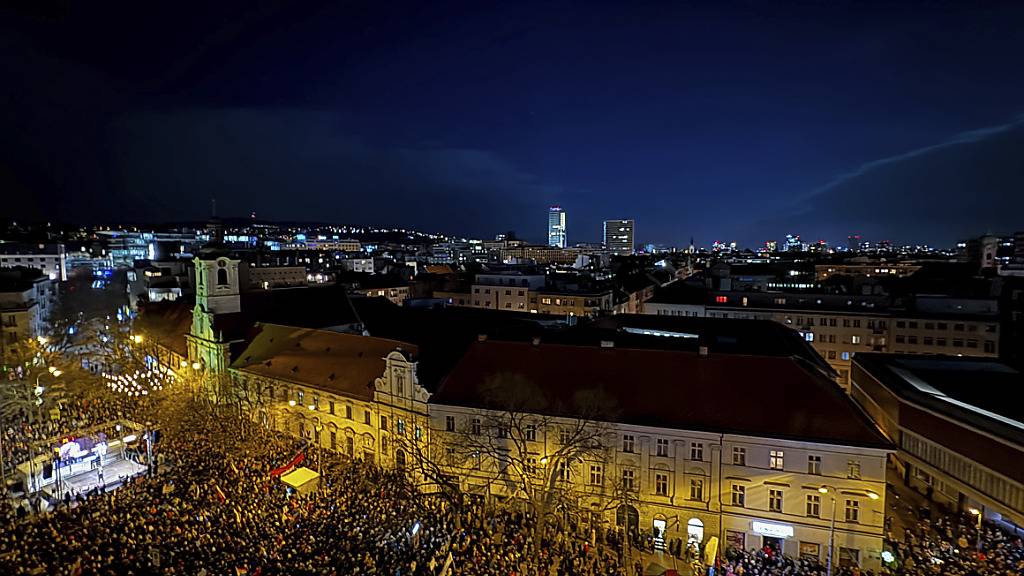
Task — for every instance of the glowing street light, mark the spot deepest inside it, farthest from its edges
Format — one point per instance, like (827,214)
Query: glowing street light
(291,403)
(980,515)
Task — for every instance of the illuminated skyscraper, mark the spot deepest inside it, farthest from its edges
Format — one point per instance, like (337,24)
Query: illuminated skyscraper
(618,236)
(556,227)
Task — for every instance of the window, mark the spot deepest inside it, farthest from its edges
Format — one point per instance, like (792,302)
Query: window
(900,339)
(628,442)
(901,324)
(775,460)
(775,500)
(531,432)
(564,437)
(661,484)
(696,489)
(350,446)
(852,511)
(627,479)
(911,339)
(334,440)
(596,475)
(721,299)
(400,426)
(739,495)
(814,464)
(662,447)
(739,456)
(990,347)
(696,451)
(383,422)
(854,339)
(940,341)
(928,341)
(366,417)
(475,426)
(912,325)
(814,505)
(564,471)
(958,327)
(853,469)
(384,444)
(449,423)
(958,343)
(972,343)
(845,355)
(831,354)
(331,406)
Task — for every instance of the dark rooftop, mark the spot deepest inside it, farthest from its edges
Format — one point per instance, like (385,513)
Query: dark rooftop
(721,393)
(980,391)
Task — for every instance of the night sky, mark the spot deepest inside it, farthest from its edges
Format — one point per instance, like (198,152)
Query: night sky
(731,121)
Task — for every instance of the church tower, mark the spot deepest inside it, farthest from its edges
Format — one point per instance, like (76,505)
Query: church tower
(217,293)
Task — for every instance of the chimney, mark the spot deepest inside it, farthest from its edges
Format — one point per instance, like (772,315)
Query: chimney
(703,351)
(607,344)
(481,337)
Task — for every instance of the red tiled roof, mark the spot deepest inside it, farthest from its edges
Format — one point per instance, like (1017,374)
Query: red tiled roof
(331,361)
(774,397)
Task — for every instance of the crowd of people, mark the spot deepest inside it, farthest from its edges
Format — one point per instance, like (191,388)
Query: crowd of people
(949,545)
(215,509)
(25,435)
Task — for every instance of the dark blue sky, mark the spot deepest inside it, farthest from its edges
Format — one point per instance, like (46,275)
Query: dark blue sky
(732,121)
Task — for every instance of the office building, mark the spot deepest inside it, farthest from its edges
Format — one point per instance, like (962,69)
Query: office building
(556,227)
(618,236)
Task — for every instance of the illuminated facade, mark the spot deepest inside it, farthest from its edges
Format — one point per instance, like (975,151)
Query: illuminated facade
(556,227)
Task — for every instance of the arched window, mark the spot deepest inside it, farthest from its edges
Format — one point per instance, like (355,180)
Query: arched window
(695,530)
(400,458)
(222,277)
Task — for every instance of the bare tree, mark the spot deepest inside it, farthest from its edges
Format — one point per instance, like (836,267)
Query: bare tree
(533,448)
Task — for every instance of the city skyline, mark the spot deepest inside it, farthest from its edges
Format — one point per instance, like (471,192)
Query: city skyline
(704,118)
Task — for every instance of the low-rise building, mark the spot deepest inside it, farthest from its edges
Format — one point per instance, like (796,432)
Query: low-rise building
(48,257)
(27,296)
(958,426)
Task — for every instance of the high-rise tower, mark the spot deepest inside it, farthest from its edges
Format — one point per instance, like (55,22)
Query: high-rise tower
(556,227)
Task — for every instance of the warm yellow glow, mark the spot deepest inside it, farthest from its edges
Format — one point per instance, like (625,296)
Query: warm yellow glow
(975,511)
(57,373)
(823,490)
(196,365)
(137,338)
(544,460)
(291,402)
(311,407)
(42,340)
(184,363)
(872,495)
(52,369)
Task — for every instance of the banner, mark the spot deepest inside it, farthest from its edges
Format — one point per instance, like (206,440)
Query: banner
(283,469)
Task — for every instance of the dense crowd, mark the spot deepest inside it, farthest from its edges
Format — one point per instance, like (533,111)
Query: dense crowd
(949,546)
(25,434)
(215,509)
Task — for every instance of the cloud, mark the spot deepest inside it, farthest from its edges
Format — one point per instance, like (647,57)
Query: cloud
(970,184)
(303,164)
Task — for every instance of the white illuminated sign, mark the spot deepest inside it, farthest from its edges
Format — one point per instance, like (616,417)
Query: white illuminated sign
(773,530)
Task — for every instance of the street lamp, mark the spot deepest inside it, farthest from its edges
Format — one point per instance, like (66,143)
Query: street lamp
(980,515)
(824,489)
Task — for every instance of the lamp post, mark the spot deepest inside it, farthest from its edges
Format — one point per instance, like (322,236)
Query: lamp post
(980,515)
(827,489)
(318,427)
(830,489)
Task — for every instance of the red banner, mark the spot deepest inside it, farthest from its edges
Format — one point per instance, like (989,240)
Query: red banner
(283,469)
